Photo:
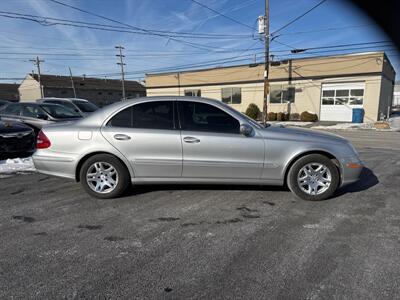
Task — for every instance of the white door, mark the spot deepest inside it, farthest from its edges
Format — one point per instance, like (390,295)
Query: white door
(339,99)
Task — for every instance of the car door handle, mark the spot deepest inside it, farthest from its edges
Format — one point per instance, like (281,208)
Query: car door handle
(191,140)
(122,137)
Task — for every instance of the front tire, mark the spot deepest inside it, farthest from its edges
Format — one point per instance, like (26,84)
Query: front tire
(313,177)
(104,176)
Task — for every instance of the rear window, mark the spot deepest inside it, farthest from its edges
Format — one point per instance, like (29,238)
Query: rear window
(148,115)
(85,106)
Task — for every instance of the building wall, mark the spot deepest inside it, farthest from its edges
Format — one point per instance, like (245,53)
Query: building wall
(99,97)
(306,75)
(386,97)
(29,90)
(9,91)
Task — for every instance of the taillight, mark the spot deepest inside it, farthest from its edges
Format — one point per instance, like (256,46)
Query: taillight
(42,141)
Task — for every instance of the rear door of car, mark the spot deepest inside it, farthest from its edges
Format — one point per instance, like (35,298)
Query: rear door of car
(213,146)
(146,134)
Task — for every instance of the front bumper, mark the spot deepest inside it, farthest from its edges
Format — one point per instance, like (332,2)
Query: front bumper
(351,169)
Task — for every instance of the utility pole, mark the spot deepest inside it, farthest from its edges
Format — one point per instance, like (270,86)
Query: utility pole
(72,82)
(121,63)
(37,62)
(266,68)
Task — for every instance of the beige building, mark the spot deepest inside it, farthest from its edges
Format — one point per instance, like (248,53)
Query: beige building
(329,86)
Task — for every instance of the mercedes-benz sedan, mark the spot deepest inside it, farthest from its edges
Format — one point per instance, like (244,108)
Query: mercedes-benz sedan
(192,140)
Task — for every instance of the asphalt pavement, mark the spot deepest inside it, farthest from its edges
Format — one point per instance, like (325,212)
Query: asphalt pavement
(205,242)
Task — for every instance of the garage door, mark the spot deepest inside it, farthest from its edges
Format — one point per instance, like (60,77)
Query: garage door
(339,99)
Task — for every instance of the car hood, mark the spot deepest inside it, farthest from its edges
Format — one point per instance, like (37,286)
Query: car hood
(13,127)
(301,134)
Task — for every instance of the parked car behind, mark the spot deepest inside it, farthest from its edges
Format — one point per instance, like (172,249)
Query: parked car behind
(82,106)
(36,115)
(192,140)
(16,139)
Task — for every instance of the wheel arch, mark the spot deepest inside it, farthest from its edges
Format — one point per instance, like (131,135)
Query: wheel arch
(302,154)
(88,155)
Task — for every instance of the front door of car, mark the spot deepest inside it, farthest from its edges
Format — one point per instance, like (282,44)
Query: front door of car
(213,146)
(145,133)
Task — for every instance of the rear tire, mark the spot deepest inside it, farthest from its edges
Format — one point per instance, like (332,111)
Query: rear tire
(313,177)
(104,176)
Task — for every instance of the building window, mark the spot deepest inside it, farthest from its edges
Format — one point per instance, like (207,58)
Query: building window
(281,94)
(100,93)
(63,92)
(110,93)
(343,97)
(231,95)
(193,93)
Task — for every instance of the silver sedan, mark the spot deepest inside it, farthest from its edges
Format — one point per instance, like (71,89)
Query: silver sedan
(192,140)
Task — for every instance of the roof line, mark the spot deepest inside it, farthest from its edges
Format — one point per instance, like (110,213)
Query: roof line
(262,63)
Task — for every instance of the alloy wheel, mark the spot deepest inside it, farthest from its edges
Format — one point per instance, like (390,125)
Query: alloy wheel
(314,178)
(102,177)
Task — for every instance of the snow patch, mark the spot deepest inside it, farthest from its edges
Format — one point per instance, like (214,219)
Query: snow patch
(15,165)
(290,123)
(346,126)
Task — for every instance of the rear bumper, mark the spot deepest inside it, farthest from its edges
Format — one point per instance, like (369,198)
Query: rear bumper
(62,166)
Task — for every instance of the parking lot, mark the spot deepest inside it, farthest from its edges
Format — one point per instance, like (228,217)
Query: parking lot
(209,242)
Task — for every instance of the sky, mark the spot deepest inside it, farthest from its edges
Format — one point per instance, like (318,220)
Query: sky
(92,52)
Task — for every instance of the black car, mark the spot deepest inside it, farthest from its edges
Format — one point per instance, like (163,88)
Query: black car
(16,139)
(36,115)
(3,102)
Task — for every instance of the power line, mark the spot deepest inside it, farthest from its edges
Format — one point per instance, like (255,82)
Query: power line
(220,14)
(299,17)
(50,21)
(194,45)
(326,29)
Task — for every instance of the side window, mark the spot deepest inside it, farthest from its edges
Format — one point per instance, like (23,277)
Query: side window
(32,111)
(122,119)
(149,115)
(12,109)
(154,115)
(196,116)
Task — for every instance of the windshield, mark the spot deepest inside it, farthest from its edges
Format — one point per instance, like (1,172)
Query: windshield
(85,106)
(60,112)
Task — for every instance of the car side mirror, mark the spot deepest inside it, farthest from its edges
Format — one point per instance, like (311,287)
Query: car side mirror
(246,130)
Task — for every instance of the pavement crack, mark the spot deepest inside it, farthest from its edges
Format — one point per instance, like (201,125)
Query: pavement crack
(113,238)
(234,220)
(168,219)
(90,227)
(246,209)
(24,219)
(17,192)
